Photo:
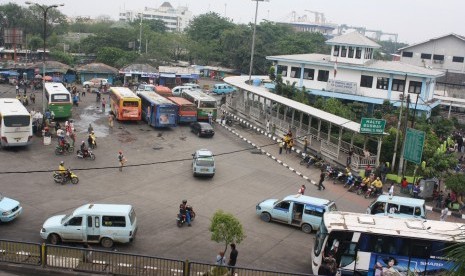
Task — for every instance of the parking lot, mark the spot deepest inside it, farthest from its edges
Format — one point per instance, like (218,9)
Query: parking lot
(159,176)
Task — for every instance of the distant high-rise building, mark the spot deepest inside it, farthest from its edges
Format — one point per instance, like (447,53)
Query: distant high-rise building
(176,19)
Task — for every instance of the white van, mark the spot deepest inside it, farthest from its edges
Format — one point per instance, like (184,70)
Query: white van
(298,210)
(397,206)
(93,223)
(178,90)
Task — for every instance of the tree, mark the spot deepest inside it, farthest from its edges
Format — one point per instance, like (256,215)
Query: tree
(456,254)
(226,228)
(62,57)
(456,183)
(271,73)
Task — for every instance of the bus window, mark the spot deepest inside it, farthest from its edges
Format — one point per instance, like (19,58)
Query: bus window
(130,104)
(208,104)
(60,98)
(17,121)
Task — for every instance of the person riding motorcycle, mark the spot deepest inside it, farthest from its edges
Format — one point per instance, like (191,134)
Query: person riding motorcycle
(184,210)
(63,170)
(91,140)
(378,185)
(84,150)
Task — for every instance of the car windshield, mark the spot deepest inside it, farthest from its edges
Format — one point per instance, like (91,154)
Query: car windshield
(65,218)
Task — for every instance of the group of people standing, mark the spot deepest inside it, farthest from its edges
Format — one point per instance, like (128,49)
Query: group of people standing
(287,143)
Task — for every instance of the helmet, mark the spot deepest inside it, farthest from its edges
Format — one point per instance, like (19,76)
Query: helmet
(377,178)
(184,201)
(92,132)
(120,152)
(83,142)
(62,162)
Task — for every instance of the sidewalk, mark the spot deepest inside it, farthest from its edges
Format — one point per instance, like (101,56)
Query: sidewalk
(268,144)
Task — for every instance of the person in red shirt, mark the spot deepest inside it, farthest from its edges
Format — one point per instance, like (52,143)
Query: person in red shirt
(404,185)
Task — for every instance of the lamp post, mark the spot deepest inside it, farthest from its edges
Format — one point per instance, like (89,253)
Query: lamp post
(253,39)
(44,9)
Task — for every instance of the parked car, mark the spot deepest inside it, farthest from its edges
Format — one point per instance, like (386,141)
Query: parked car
(222,88)
(145,87)
(203,163)
(202,129)
(9,209)
(193,86)
(95,82)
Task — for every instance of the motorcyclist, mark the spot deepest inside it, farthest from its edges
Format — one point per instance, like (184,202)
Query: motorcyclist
(350,179)
(63,170)
(184,210)
(84,150)
(91,140)
(378,185)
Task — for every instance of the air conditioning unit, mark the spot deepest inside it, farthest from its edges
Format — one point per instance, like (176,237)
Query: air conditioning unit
(401,97)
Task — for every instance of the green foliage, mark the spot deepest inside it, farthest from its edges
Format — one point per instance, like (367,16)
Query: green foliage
(456,254)
(156,25)
(208,27)
(62,57)
(35,42)
(115,57)
(226,228)
(113,37)
(271,73)
(456,182)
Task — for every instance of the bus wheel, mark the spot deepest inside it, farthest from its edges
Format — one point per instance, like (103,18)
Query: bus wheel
(307,228)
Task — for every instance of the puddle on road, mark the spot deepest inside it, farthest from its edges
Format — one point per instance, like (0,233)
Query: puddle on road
(91,115)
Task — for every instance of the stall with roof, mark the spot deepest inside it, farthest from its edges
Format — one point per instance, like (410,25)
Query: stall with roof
(217,73)
(96,70)
(174,76)
(139,73)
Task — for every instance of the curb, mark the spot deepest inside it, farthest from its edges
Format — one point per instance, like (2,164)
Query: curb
(269,135)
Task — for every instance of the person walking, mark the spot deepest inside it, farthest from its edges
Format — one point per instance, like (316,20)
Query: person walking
(301,190)
(305,144)
(220,259)
(210,118)
(349,157)
(111,119)
(322,178)
(281,145)
(444,214)
(267,126)
(121,160)
(104,103)
(232,258)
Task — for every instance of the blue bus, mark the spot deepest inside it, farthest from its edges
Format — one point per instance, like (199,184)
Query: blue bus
(158,111)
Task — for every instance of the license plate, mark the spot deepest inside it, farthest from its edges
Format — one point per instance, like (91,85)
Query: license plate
(204,170)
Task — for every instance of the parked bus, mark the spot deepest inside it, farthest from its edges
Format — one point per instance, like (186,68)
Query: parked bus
(364,244)
(158,111)
(204,103)
(187,112)
(124,104)
(15,123)
(163,91)
(58,99)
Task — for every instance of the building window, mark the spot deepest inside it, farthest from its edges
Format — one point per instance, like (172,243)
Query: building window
(295,72)
(414,87)
(382,83)
(368,53)
(309,74)
(282,70)
(358,53)
(323,75)
(425,56)
(366,81)
(398,85)
(351,52)
(343,51)
(457,59)
(407,54)
(438,57)
(336,51)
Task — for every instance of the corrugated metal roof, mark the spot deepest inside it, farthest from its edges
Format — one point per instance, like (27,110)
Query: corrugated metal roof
(141,68)
(353,39)
(239,81)
(97,68)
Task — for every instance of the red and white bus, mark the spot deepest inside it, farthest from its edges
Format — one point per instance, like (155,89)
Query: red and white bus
(187,111)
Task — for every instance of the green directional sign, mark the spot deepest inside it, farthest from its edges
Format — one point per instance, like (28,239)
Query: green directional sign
(413,150)
(372,126)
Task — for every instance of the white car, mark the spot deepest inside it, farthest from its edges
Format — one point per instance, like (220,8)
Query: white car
(9,209)
(95,82)
(203,163)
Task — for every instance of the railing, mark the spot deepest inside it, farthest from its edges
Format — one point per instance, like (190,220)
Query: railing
(88,260)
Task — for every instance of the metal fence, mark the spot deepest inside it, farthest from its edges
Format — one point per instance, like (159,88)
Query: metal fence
(88,260)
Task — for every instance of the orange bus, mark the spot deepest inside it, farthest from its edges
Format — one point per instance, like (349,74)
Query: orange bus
(163,91)
(187,111)
(124,104)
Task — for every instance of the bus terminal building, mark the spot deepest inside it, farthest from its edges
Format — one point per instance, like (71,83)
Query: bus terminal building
(350,73)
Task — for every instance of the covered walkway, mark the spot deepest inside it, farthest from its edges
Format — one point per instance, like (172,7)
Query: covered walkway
(323,130)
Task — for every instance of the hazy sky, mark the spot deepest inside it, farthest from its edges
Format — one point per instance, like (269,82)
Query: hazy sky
(413,20)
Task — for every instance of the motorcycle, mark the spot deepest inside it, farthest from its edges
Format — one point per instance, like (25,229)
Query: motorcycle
(362,189)
(229,121)
(372,192)
(350,180)
(89,154)
(181,218)
(355,185)
(63,178)
(333,173)
(341,177)
(67,148)
(305,159)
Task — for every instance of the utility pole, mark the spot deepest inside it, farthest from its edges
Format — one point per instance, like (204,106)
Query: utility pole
(394,156)
(401,159)
(140,33)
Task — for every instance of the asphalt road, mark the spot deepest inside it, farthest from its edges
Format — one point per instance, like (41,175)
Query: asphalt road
(242,180)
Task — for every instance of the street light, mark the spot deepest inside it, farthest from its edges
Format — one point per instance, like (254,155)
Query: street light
(44,9)
(253,39)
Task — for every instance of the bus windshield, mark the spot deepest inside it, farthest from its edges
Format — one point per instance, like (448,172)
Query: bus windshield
(60,98)
(17,120)
(208,104)
(320,238)
(130,104)
(188,108)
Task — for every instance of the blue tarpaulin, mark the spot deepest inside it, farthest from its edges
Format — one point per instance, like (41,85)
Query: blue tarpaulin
(9,73)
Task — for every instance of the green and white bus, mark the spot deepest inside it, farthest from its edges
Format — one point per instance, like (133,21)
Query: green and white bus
(58,99)
(204,103)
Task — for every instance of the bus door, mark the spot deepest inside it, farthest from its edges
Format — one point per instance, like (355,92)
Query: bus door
(93,228)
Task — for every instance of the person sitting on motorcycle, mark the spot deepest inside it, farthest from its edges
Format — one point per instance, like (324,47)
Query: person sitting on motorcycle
(91,140)
(84,150)
(63,170)
(184,211)
(350,180)
(378,185)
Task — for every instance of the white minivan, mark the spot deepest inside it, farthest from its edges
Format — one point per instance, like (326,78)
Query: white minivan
(302,211)
(93,223)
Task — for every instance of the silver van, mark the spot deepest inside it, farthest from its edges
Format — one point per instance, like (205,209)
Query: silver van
(93,223)
(302,211)
(397,206)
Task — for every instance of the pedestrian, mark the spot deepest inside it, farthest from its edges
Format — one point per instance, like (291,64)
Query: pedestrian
(210,118)
(281,145)
(349,157)
(104,102)
(121,160)
(391,190)
(416,190)
(301,190)
(17,89)
(90,129)
(268,126)
(220,259)
(322,178)
(232,258)
(25,89)
(87,254)
(305,144)
(444,214)
(273,129)
(110,120)
(368,170)
(33,98)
